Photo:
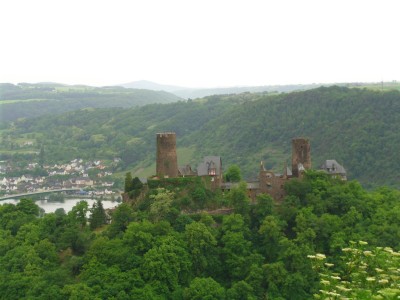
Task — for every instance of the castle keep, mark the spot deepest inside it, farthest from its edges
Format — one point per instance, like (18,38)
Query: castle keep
(301,156)
(167,162)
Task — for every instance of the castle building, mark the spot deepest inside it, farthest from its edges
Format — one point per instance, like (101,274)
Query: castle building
(273,183)
(333,168)
(212,167)
(268,182)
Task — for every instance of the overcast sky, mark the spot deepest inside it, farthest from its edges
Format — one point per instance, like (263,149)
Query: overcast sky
(199,43)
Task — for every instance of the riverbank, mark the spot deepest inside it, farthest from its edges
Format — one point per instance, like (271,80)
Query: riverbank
(67,204)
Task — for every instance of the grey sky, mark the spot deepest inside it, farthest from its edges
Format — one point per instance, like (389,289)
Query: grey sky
(199,43)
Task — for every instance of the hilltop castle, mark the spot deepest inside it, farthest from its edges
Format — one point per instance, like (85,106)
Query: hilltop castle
(268,182)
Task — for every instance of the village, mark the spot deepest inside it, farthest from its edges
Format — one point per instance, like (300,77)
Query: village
(91,178)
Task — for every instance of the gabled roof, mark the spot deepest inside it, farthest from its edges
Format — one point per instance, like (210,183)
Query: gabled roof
(186,171)
(210,162)
(332,167)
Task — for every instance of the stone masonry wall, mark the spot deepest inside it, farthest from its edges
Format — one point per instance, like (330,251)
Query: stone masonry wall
(167,162)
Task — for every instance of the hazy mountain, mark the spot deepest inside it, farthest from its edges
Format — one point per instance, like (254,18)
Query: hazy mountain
(149,85)
(30,100)
(194,93)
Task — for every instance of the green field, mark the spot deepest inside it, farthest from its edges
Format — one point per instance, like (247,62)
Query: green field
(20,100)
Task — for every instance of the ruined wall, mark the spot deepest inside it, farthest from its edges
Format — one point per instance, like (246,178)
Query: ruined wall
(301,154)
(272,185)
(167,162)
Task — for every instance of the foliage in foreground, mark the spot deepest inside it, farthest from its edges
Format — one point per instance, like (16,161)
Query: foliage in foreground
(360,273)
(153,251)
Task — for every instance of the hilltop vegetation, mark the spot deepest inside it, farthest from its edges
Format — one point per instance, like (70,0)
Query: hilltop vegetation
(31,100)
(152,250)
(357,127)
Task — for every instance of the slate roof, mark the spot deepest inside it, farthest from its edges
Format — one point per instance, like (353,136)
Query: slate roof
(332,167)
(210,161)
(186,171)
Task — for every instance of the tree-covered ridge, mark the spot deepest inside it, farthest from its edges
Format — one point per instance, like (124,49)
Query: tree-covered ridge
(31,100)
(152,250)
(357,127)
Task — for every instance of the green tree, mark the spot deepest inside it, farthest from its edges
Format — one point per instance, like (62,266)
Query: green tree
(161,204)
(167,265)
(121,218)
(136,184)
(233,174)
(239,200)
(28,206)
(241,290)
(264,206)
(98,215)
(271,232)
(201,246)
(78,213)
(128,182)
(204,289)
(142,236)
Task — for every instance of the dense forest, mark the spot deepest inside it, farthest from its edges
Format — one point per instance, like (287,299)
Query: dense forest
(327,240)
(357,127)
(31,100)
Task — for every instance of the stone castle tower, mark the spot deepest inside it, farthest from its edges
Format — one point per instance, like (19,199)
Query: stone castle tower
(167,162)
(301,156)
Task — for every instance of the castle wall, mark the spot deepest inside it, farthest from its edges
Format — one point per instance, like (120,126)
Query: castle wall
(272,185)
(301,154)
(167,162)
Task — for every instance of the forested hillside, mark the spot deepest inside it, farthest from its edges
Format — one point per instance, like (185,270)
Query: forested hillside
(357,127)
(322,240)
(31,100)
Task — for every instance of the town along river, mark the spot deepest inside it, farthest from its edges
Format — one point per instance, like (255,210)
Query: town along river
(67,204)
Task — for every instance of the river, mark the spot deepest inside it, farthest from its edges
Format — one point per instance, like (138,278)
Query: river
(67,204)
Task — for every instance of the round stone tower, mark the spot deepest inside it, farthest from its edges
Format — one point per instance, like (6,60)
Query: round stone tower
(167,162)
(301,156)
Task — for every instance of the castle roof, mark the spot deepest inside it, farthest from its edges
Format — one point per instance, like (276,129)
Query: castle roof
(332,167)
(186,171)
(210,162)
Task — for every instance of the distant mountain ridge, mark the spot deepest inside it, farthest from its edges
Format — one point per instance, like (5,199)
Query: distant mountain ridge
(194,93)
(54,98)
(149,85)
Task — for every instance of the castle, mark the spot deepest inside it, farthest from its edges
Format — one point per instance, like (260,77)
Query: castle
(268,182)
